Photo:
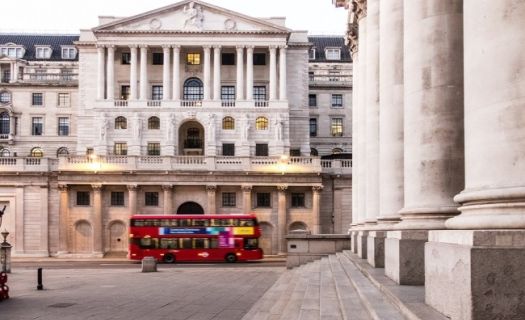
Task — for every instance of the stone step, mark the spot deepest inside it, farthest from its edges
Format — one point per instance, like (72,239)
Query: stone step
(310,307)
(293,307)
(329,303)
(377,305)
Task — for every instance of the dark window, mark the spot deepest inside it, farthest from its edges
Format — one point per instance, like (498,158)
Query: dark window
(158,58)
(263,199)
(295,152)
(5,123)
(62,152)
(311,76)
(151,199)
(228,93)
(313,127)
(37,126)
(228,59)
(228,149)
(121,123)
(63,126)
(312,100)
(37,99)
(337,101)
(314,152)
(259,59)
(82,198)
(193,89)
(126,58)
(117,198)
(156,93)
(120,149)
(259,93)
(124,92)
(228,199)
(153,123)
(261,149)
(5,97)
(297,200)
(153,149)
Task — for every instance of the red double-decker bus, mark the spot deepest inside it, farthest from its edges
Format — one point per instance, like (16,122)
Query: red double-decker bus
(228,238)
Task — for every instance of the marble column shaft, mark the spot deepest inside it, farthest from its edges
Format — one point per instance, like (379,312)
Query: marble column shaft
(207,72)
(166,76)
(361,131)
(144,73)
(239,88)
(101,51)
(110,70)
(176,73)
(133,74)
(282,74)
(217,73)
(249,73)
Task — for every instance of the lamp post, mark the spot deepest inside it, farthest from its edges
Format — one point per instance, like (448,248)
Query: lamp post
(5,253)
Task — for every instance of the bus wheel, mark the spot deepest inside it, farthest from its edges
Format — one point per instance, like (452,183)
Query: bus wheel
(169,258)
(230,257)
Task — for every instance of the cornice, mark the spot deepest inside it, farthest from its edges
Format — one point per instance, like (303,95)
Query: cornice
(192,32)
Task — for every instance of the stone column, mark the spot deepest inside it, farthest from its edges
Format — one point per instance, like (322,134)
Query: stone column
(133,74)
(240,72)
(144,90)
(110,70)
(282,73)
(207,72)
(98,224)
(246,199)
(316,209)
(15,72)
(19,246)
(12,126)
(63,220)
(211,191)
(249,73)
(100,73)
(176,72)
(167,199)
(282,221)
(217,73)
(481,269)
(44,218)
(354,46)
(273,72)
(132,198)
(166,85)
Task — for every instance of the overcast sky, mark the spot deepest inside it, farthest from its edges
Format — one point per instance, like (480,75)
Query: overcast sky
(68,16)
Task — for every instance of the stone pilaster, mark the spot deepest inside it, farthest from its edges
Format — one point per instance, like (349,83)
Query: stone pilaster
(316,209)
(133,74)
(132,196)
(166,76)
(144,83)
(282,221)
(167,199)
(246,199)
(176,72)
(97,220)
(63,218)
(240,72)
(282,74)
(211,191)
(110,71)
(249,73)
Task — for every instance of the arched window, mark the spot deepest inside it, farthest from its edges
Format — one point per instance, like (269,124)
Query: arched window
(4,123)
(314,152)
(153,123)
(228,123)
(193,89)
(5,152)
(337,150)
(37,152)
(261,123)
(5,97)
(62,152)
(121,123)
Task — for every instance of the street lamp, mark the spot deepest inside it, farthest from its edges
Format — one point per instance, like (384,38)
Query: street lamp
(5,253)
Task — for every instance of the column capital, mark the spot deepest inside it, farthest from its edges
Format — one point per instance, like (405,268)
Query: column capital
(206,47)
(359,8)
(132,187)
(283,47)
(166,46)
(273,47)
(217,46)
(211,188)
(239,47)
(110,46)
(62,187)
(96,186)
(133,46)
(143,46)
(100,46)
(317,189)
(250,48)
(282,187)
(167,187)
(176,46)
(246,188)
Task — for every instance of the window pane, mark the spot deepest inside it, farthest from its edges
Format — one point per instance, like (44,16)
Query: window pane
(153,149)
(297,200)
(193,58)
(228,149)
(120,149)
(228,123)
(63,126)
(313,127)
(158,58)
(337,127)
(37,99)
(63,99)
(151,198)
(117,198)
(126,58)
(193,89)
(228,199)
(312,100)
(263,199)
(153,123)
(37,126)
(82,198)
(228,93)
(156,93)
(261,150)
(261,123)
(337,101)
(259,59)
(121,123)
(228,59)
(124,92)
(259,93)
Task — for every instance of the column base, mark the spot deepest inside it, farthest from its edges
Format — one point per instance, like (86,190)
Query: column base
(405,256)
(353,242)
(376,249)
(362,241)
(476,274)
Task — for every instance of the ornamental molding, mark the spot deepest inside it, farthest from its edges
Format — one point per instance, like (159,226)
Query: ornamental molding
(282,187)
(359,7)
(96,186)
(317,189)
(62,187)
(167,187)
(132,187)
(211,188)
(246,188)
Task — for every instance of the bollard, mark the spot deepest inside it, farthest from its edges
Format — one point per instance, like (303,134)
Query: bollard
(39,286)
(149,264)
(4,289)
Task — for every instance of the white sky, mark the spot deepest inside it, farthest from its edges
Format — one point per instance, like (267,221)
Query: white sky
(69,16)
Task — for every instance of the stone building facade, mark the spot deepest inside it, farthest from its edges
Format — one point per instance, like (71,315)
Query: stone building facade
(439,98)
(189,108)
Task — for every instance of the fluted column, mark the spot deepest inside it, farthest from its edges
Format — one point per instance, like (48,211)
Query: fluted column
(132,198)
(240,72)
(133,74)
(207,72)
(217,73)
(167,199)
(282,221)
(249,73)
(12,126)
(433,122)
(101,52)
(211,191)
(110,69)
(63,243)
(15,72)
(316,209)
(166,85)
(176,72)
(282,73)
(144,91)
(246,199)
(273,73)
(98,234)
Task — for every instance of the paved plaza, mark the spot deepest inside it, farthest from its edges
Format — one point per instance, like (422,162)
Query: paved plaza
(217,291)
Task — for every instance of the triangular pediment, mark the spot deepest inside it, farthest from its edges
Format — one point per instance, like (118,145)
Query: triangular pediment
(191,16)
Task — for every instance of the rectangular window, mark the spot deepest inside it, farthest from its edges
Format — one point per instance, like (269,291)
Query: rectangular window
(336,127)
(312,100)
(40,74)
(43,53)
(297,200)
(263,199)
(228,199)
(337,101)
(63,126)
(333,54)
(312,54)
(69,53)
(82,198)
(261,149)
(120,149)
(259,93)
(156,93)
(259,59)
(295,152)
(6,75)
(151,199)
(124,92)
(228,93)
(37,99)
(66,74)
(37,126)
(63,100)
(228,149)
(125,58)
(313,127)
(158,58)
(117,199)
(193,58)
(153,149)
(228,59)
(311,76)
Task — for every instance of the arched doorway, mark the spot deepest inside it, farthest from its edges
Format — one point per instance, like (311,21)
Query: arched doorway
(191,139)
(298,226)
(266,239)
(117,237)
(190,207)
(83,238)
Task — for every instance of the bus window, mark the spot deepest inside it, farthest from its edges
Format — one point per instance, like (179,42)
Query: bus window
(138,223)
(215,222)
(200,243)
(148,243)
(246,223)
(184,223)
(200,223)
(251,243)
(167,243)
(214,243)
(152,223)
(173,223)
(164,222)
(234,222)
(186,243)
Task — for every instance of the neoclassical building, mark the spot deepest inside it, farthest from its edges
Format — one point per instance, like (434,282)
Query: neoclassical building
(439,140)
(189,108)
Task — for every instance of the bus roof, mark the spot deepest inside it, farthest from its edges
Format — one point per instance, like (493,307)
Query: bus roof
(195,216)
